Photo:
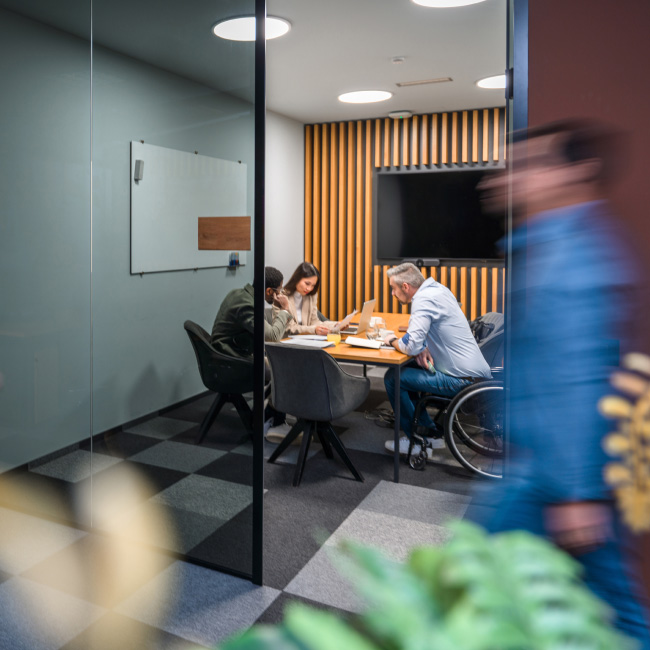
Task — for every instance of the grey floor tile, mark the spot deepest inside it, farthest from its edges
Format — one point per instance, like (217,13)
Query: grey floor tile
(26,540)
(198,604)
(161,427)
(178,455)
(417,503)
(36,617)
(76,466)
(207,496)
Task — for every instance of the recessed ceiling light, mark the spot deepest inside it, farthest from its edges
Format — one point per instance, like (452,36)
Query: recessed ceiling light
(446,3)
(498,81)
(243,28)
(365,96)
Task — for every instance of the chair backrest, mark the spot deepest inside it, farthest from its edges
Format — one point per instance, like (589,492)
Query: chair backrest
(219,372)
(492,348)
(487,324)
(310,384)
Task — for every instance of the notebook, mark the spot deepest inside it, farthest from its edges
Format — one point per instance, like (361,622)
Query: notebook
(364,319)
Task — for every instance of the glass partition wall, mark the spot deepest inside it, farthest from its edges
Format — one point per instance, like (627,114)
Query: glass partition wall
(128,133)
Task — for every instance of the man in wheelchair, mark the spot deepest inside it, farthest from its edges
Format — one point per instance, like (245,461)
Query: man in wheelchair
(447,357)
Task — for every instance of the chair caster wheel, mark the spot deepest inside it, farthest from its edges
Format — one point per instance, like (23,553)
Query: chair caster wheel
(419,461)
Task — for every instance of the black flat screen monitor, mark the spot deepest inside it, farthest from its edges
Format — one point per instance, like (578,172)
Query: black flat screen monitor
(433,215)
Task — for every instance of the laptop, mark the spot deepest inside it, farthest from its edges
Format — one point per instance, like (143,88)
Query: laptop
(364,319)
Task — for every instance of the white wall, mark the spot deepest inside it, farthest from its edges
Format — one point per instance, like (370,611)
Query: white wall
(285,191)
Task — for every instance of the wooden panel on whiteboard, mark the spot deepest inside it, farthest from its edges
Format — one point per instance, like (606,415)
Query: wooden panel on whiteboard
(309,180)
(443,140)
(224,234)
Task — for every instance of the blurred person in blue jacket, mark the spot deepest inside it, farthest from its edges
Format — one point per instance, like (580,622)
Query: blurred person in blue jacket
(572,304)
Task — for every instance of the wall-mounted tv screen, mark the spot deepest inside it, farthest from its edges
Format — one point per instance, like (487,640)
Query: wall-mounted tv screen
(433,215)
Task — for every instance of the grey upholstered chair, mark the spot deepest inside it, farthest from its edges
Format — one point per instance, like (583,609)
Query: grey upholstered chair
(310,384)
(227,376)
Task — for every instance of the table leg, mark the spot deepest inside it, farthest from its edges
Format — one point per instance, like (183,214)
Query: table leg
(397,415)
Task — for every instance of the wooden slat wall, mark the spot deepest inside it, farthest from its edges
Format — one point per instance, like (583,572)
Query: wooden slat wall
(339,162)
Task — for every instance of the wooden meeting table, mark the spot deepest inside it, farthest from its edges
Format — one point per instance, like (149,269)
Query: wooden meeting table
(392,358)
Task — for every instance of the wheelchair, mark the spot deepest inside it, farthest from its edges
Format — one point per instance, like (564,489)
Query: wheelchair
(472,420)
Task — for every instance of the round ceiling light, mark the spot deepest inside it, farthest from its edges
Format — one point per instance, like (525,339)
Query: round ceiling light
(496,82)
(439,4)
(243,28)
(365,96)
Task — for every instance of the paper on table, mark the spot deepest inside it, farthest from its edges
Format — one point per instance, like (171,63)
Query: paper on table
(363,343)
(309,343)
(312,337)
(347,320)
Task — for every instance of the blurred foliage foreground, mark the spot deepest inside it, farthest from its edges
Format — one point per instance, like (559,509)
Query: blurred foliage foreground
(512,591)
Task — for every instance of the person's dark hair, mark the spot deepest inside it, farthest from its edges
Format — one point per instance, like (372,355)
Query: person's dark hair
(304,270)
(580,140)
(272,278)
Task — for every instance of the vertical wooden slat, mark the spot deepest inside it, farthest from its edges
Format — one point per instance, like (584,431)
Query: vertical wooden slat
(425,140)
(415,141)
(463,290)
(443,140)
(405,141)
(309,181)
(465,137)
(474,136)
(318,182)
(385,303)
(484,291)
(342,238)
(444,276)
(325,222)
(367,262)
(486,131)
(377,143)
(350,218)
(473,294)
(333,266)
(454,137)
(387,142)
(376,278)
(495,143)
(453,283)
(434,139)
(495,289)
(395,143)
(359,217)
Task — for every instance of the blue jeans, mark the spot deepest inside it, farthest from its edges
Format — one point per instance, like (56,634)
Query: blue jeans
(414,379)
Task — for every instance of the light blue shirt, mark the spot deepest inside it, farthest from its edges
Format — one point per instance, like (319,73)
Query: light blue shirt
(438,324)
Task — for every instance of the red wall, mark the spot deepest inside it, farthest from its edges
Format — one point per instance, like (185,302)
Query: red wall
(592,58)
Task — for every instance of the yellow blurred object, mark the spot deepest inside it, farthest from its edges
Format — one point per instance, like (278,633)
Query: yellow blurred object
(334,337)
(630,475)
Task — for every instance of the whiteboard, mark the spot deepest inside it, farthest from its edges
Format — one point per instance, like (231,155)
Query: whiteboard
(175,190)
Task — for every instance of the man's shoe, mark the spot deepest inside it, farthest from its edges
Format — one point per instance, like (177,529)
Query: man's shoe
(389,445)
(277,434)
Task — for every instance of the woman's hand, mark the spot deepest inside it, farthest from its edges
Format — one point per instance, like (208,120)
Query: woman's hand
(322,330)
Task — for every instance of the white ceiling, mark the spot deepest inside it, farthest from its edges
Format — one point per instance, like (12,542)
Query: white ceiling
(334,46)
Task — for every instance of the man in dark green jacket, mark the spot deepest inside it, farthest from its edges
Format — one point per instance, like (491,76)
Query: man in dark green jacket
(232,332)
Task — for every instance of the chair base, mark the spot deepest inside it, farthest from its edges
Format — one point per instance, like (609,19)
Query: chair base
(328,439)
(245,413)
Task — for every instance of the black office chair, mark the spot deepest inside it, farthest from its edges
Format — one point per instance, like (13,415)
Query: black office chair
(310,384)
(227,376)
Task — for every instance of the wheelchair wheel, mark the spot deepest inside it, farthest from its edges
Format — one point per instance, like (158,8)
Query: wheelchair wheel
(474,428)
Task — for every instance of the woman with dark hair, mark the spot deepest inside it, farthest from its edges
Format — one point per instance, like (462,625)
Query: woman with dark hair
(302,291)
